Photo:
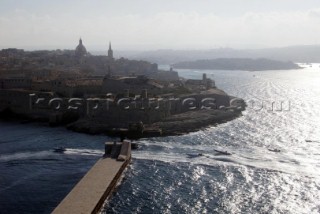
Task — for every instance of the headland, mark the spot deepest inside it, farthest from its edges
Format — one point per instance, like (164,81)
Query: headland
(104,95)
(246,64)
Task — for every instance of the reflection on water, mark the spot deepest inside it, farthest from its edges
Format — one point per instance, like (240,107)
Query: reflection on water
(274,166)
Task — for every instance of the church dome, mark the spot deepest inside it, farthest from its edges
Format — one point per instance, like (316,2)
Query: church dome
(80,49)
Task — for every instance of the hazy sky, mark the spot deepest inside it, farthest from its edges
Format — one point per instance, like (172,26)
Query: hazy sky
(159,24)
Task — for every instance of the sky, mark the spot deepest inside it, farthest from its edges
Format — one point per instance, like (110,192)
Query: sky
(158,24)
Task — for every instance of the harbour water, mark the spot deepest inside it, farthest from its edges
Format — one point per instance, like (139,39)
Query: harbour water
(164,179)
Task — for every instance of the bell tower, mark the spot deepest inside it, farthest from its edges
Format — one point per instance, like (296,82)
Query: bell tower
(110,52)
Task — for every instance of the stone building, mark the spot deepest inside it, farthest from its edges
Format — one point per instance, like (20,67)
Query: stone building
(110,52)
(15,83)
(70,87)
(202,84)
(80,51)
(133,84)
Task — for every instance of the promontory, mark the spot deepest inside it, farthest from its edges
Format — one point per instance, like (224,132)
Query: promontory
(105,95)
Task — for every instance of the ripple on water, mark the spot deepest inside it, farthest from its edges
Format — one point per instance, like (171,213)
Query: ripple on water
(180,187)
(163,179)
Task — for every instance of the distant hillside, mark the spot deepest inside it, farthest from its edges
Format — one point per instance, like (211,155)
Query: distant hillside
(237,64)
(308,53)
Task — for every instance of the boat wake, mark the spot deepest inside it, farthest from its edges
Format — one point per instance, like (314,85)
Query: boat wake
(25,155)
(93,152)
(257,157)
(48,154)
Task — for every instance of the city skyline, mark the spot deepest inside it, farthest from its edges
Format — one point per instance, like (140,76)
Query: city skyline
(141,25)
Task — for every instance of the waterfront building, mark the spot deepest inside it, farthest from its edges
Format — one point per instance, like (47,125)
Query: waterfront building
(203,84)
(15,83)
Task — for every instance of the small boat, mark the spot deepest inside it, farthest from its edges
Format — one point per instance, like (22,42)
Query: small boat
(222,152)
(59,149)
(194,155)
(274,150)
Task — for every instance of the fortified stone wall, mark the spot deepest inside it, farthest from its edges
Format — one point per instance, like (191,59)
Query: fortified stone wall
(165,75)
(20,101)
(11,83)
(129,111)
(115,86)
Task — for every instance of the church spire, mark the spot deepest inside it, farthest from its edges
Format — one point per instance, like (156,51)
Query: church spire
(80,41)
(110,52)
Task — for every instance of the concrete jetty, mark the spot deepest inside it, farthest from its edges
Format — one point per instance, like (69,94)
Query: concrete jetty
(89,195)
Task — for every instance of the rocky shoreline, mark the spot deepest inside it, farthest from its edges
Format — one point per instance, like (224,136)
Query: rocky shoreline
(195,120)
(118,125)
(178,124)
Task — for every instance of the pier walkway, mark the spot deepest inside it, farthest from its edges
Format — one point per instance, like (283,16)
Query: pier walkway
(89,195)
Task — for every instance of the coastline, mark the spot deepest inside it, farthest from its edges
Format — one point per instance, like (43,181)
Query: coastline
(174,125)
(245,64)
(177,123)
(195,120)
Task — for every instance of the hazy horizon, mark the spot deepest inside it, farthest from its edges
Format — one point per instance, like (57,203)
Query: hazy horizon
(103,48)
(144,25)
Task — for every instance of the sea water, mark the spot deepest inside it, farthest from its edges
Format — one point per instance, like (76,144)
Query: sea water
(283,114)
